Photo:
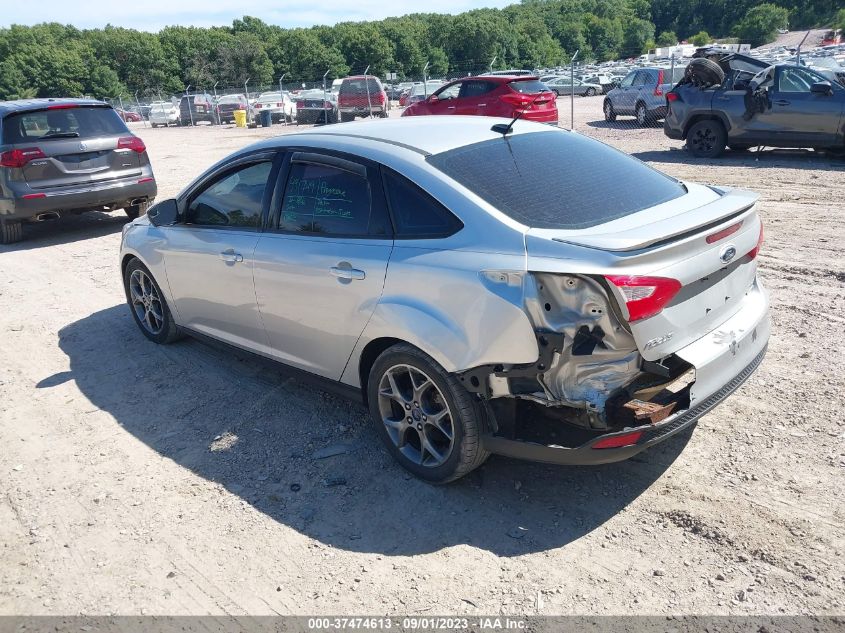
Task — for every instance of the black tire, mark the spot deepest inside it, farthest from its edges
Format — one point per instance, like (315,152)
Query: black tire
(704,72)
(169,331)
(707,139)
(739,148)
(467,415)
(346,118)
(642,115)
(135,211)
(10,232)
(557,92)
(591,92)
(609,112)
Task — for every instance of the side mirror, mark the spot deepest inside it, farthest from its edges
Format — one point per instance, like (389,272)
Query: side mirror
(433,99)
(164,213)
(822,88)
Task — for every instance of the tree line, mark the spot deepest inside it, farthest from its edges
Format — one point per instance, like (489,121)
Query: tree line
(52,59)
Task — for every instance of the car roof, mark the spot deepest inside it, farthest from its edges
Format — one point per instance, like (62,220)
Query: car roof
(23,105)
(417,134)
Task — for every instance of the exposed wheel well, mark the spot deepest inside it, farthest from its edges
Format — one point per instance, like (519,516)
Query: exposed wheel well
(125,262)
(368,356)
(702,117)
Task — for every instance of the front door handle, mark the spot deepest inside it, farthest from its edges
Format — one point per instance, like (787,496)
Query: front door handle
(781,102)
(347,273)
(450,107)
(231,257)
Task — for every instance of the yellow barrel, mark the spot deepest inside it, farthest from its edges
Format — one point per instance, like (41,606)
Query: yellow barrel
(240,118)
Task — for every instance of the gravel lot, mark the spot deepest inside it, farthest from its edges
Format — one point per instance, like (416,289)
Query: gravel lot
(138,479)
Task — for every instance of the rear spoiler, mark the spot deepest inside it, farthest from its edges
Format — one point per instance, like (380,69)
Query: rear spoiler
(731,205)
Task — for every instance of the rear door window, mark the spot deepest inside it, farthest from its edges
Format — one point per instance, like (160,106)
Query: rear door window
(476,88)
(415,213)
(326,200)
(557,180)
(43,125)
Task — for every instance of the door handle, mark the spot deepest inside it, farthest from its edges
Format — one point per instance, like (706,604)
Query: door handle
(481,105)
(231,257)
(781,102)
(450,107)
(347,273)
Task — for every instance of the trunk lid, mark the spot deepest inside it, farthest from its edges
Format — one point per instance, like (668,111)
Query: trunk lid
(705,241)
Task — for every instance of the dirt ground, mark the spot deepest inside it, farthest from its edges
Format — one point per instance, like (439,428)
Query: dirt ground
(141,479)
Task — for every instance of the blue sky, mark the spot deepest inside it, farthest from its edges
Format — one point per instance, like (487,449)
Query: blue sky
(151,15)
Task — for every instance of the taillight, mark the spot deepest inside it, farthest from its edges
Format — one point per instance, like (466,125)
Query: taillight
(258,106)
(280,105)
(754,251)
(671,97)
(720,235)
(20,157)
(658,91)
(516,99)
(131,142)
(327,105)
(241,106)
(300,104)
(645,296)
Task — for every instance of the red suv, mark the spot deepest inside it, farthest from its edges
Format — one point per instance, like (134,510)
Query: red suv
(361,96)
(500,96)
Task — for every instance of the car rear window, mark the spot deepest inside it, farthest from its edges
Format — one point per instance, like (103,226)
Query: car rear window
(61,123)
(556,179)
(359,86)
(528,86)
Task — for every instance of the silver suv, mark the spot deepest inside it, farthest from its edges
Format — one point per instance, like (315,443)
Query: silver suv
(643,94)
(60,156)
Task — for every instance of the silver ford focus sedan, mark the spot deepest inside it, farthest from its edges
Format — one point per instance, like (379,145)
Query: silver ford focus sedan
(461,277)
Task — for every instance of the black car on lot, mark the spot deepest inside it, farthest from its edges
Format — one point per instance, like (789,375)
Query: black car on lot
(195,108)
(750,103)
(67,156)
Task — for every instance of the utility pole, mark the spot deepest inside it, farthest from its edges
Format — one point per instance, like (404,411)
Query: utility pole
(138,104)
(246,94)
(188,101)
(425,79)
(216,109)
(367,83)
(572,90)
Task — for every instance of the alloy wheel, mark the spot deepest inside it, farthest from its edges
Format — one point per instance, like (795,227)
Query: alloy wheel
(145,302)
(416,415)
(703,140)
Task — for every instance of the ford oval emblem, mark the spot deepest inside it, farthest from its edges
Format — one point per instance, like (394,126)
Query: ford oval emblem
(83,147)
(728,253)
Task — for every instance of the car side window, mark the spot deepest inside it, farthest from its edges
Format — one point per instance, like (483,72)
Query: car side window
(449,92)
(640,79)
(234,200)
(476,88)
(629,80)
(795,80)
(328,200)
(415,213)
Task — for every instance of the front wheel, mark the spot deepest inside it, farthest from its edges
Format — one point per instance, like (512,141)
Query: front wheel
(642,115)
(706,139)
(147,304)
(11,231)
(591,92)
(609,113)
(430,424)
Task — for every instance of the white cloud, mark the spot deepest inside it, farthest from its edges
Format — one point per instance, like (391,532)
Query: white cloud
(152,15)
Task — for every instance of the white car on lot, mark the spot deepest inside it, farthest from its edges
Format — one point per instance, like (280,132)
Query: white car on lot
(278,103)
(164,113)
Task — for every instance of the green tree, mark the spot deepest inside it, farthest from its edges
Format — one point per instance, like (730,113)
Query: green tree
(701,38)
(637,34)
(760,24)
(839,20)
(667,38)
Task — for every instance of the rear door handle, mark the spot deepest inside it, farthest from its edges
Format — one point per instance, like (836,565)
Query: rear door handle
(781,102)
(347,273)
(231,257)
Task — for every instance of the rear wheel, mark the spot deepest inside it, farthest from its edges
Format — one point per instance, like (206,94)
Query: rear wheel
(147,303)
(706,139)
(591,92)
(642,115)
(10,231)
(345,118)
(609,113)
(430,424)
(135,211)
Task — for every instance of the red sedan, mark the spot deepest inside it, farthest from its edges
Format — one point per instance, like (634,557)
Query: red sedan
(128,116)
(499,96)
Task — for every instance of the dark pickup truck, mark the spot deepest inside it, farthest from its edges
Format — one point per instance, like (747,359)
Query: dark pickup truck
(753,103)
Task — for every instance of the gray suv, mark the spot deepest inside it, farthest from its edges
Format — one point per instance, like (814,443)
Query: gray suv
(67,156)
(642,94)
